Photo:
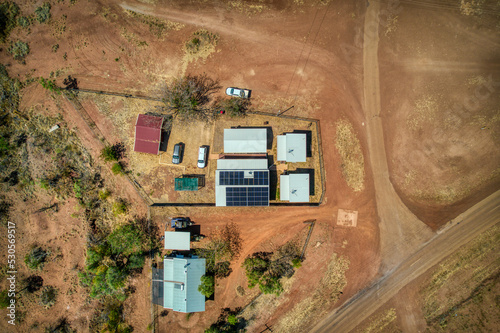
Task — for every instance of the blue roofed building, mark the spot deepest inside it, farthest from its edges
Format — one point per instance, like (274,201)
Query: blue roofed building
(181,278)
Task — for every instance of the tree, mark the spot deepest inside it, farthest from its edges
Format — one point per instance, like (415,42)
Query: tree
(117,168)
(188,97)
(207,286)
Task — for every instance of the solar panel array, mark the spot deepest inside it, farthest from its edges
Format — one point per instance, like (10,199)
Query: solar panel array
(238,178)
(247,196)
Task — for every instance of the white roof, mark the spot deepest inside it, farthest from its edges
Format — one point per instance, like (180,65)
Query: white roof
(292,147)
(245,140)
(176,240)
(294,187)
(242,164)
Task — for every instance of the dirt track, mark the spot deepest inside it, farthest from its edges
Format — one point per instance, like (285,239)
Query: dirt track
(469,225)
(400,231)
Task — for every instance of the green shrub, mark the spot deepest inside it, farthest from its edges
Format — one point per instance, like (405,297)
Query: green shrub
(127,240)
(207,286)
(44,183)
(35,259)
(234,107)
(109,153)
(120,207)
(23,21)
(296,263)
(55,47)
(117,169)
(50,85)
(77,189)
(19,50)
(232,320)
(8,14)
(104,194)
(48,296)
(4,299)
(42,13)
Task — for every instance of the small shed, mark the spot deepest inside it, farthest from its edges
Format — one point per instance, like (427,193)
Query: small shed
(176,240)
(292,147)
(245,140)
(294,187)
(186,184)
(148,134)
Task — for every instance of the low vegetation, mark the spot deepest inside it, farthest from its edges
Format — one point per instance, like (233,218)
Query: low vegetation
(117,168)
(48,296)
(328,292)
(109,318)
(228,321)
(61,326)
(351,156)
(157,27)
(266,269)
(50,85)
(42,13)
(202,42)
(234,107)
(36,258)
(19,50)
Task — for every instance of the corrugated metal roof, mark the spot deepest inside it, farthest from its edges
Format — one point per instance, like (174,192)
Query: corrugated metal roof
(148,134)
(281,139)
(292,148)
(242,164)
(245,140)
(294,187)
(177,240)
(182,278)
(284,190)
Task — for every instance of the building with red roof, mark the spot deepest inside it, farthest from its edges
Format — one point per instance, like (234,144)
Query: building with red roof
(148,134)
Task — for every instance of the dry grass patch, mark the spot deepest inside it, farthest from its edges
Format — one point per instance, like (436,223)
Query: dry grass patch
(200,46)
(424,111)
(157,27)
(352,161)
(383,322)
(453,280)
(316,305)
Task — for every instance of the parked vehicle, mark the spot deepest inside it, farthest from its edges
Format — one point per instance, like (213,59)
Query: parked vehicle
(237,92)
(180,222)
(177,155)
(202,157)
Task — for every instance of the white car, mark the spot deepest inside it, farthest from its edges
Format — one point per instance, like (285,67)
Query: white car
(237,92)
(202,157)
